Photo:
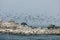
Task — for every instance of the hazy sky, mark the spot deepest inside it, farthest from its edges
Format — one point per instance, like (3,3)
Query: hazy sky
(31,7)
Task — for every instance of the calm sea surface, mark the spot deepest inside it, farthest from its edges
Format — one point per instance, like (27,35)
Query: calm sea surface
(32,37)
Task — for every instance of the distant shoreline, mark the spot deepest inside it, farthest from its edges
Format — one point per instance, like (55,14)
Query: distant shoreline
(21,33)
(29,34)
(11,27)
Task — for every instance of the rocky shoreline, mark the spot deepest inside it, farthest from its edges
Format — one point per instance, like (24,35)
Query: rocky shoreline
(11,27)
(33,32)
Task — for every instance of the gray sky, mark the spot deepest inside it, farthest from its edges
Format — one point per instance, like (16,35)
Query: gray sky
(31,7)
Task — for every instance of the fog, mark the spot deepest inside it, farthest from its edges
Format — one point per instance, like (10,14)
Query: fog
(33,12)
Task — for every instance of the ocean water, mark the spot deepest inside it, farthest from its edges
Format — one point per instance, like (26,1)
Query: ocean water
(30,37)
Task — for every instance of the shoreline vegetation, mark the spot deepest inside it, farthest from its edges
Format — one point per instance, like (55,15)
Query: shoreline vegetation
(11,27)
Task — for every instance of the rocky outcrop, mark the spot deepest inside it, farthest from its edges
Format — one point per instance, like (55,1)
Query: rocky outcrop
(12,27)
